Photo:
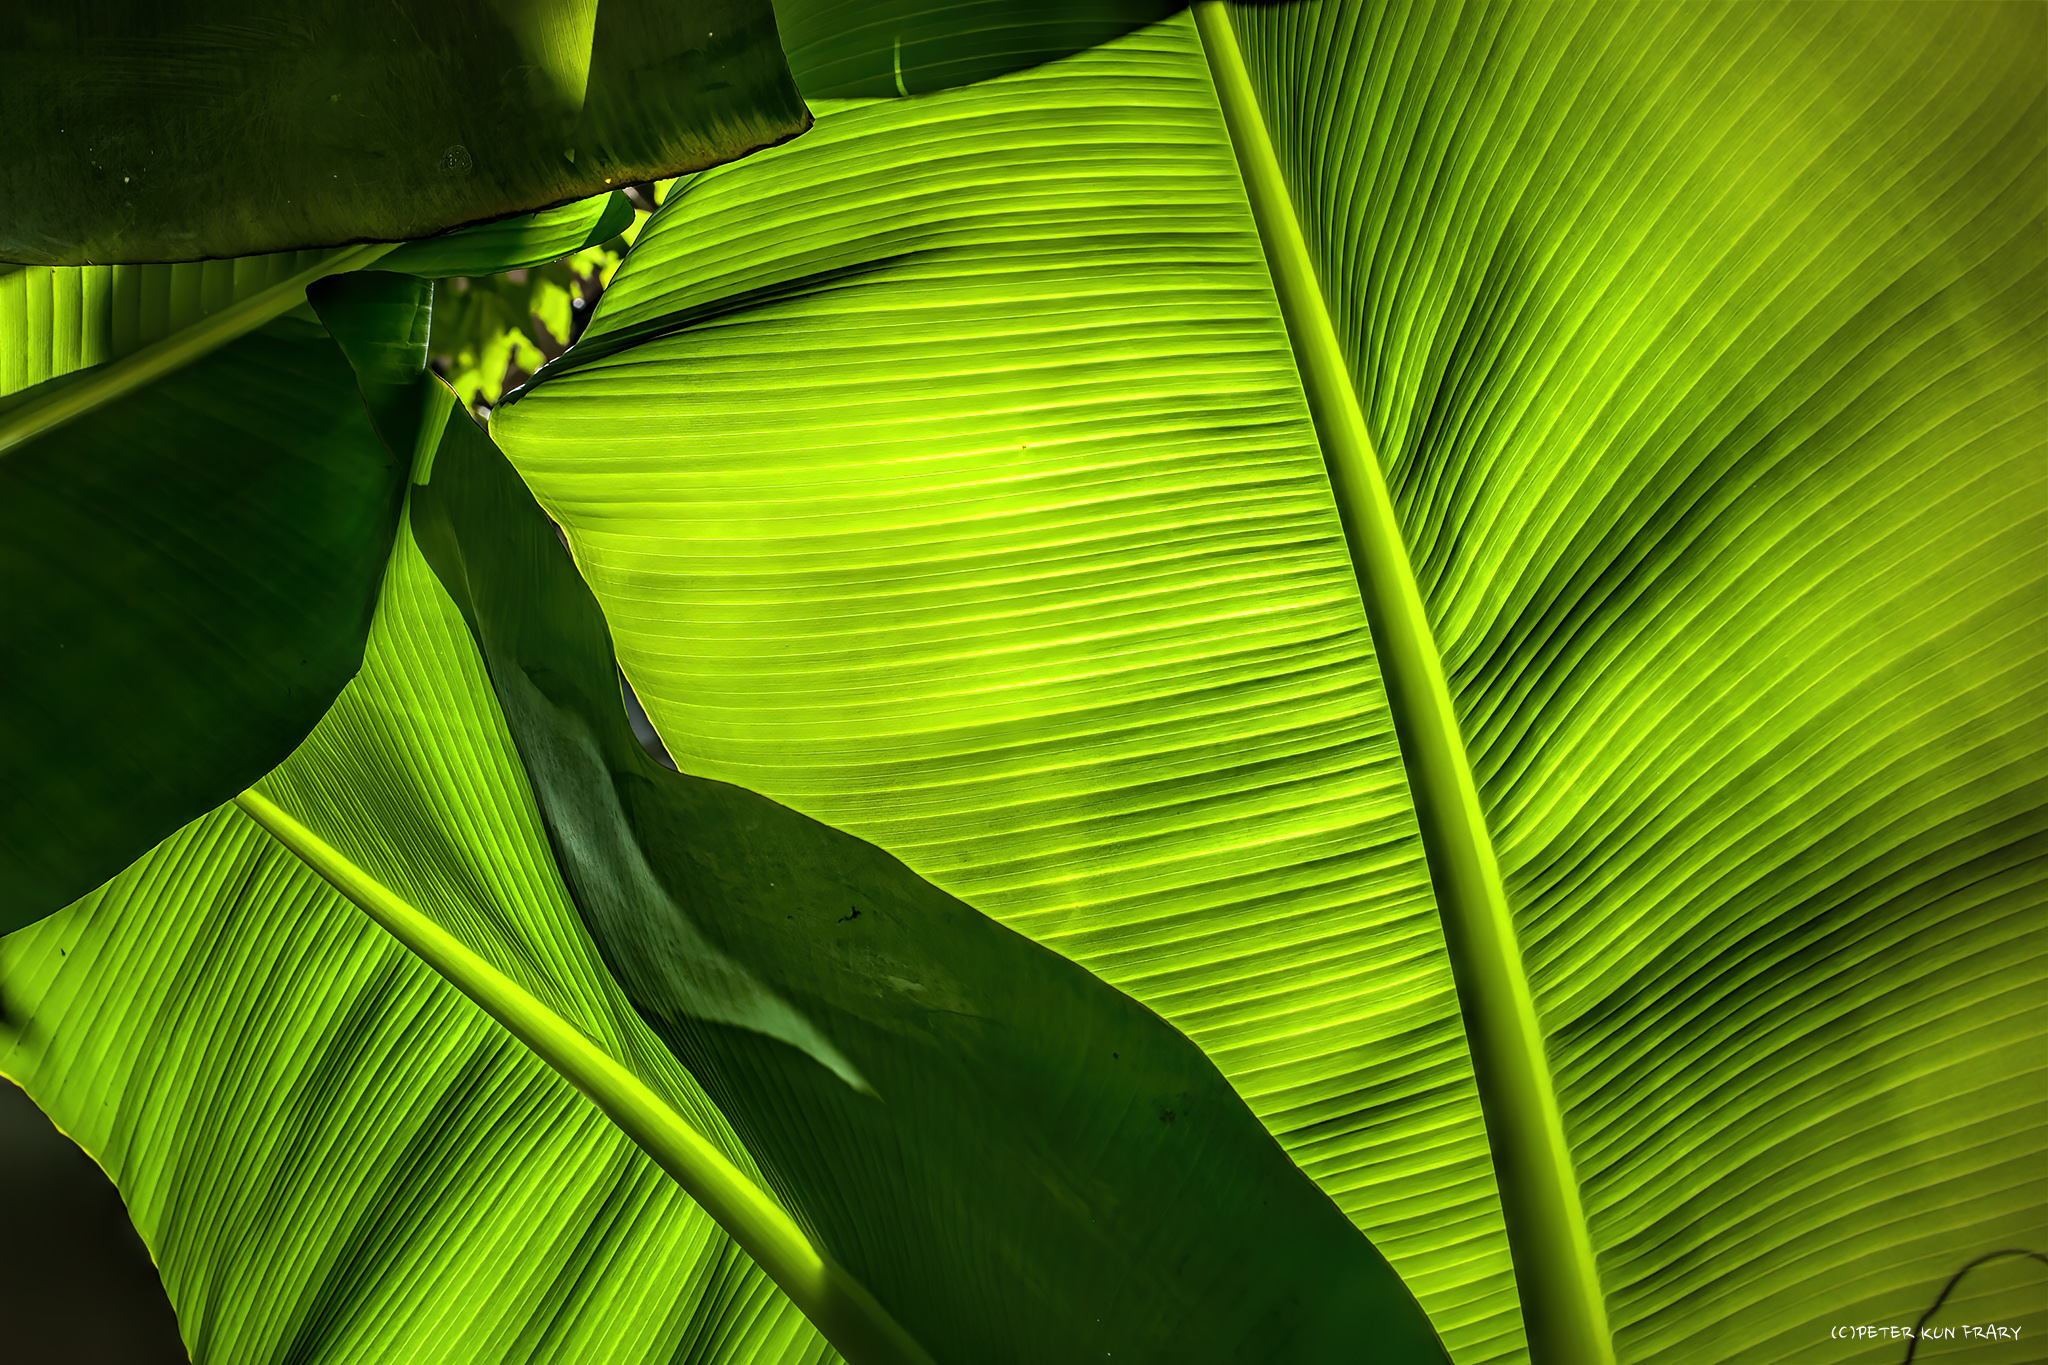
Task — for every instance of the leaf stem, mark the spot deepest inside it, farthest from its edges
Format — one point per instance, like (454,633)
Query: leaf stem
(843,1310)
(104,383)
(1563,1309)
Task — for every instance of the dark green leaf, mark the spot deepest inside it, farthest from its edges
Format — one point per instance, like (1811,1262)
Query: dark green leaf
(1021,1163)
(189,574)
(380,321)
(146,131)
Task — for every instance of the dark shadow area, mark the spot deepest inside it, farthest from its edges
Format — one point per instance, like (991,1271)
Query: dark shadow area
(76,1284)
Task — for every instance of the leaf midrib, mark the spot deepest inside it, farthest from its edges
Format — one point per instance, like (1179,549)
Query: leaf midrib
(1563,1308)
(60,402)
(840,1307)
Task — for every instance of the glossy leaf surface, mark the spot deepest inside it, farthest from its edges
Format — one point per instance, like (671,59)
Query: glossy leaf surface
(1020,1163)
(155,132)
(189,575)
(950,476)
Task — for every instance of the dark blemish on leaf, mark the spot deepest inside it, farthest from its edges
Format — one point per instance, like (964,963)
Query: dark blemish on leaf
(853,914)
(1166,1116)
(1115,1057)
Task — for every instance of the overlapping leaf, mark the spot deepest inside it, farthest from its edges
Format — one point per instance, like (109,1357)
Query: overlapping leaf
(189,574)
(939,1104)
(151,132)
(58,319)
(516,243)
(1018,1162)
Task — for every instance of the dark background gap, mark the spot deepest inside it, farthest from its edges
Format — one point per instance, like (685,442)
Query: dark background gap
(76,1284)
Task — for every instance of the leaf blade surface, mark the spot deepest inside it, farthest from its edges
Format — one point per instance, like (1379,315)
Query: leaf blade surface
(152,133)
(191,571)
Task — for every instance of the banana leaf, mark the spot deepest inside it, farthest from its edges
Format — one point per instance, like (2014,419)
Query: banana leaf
(1019,1232)
(516,243)
(1480,560)
(190,571)
(61,319)
(213,128)
(332,1155)
(1001,486)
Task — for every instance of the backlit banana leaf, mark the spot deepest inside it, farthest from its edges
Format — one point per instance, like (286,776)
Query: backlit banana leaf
(333,1156)
(189,573)
(58,319)
(1377,526)
(145,131)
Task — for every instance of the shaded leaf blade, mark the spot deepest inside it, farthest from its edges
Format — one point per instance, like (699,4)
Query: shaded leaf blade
(1020,1162)
(190,574)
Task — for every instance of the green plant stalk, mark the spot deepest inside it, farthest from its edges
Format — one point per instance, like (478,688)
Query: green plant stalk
(1563,1309)
(105,383)
(843,1310)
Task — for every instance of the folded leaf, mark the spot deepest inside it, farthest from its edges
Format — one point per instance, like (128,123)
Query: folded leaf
(952,475)
(516,243)
(189,575)
(146,132)
(1019,1162)
(380,321)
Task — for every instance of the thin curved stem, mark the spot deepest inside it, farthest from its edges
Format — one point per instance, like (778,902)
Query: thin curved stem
(103,384)
(843,1310)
